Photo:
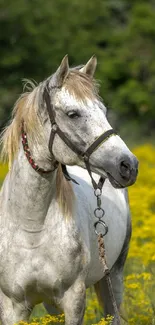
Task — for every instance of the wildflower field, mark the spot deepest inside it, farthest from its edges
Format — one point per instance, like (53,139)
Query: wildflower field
(139,280)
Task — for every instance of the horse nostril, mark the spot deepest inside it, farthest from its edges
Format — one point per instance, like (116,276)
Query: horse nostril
(125,168)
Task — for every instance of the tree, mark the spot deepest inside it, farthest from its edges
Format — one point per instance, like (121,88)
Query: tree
(36,34)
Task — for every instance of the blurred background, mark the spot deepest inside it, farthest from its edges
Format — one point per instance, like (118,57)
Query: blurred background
(36,34)
(34,37)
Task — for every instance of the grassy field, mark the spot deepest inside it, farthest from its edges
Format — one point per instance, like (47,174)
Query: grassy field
(139,295)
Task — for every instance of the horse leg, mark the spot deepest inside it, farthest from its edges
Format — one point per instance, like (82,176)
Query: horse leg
(74,303)
(11,311)
(52,310)
(116,275)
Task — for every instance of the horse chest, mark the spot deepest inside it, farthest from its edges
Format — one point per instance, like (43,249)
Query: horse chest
(46,269)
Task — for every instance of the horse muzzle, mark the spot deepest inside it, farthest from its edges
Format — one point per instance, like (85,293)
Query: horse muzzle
(126,174)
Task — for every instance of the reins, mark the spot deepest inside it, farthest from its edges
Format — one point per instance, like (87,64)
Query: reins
(98,212)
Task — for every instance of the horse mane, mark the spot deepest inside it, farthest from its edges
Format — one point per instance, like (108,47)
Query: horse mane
(26,109)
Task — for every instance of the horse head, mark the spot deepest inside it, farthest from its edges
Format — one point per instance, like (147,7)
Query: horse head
(80,115)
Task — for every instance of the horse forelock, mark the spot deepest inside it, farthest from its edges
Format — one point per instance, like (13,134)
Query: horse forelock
(26,109)
(81,85)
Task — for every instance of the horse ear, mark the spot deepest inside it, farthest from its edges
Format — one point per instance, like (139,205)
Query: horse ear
(62,72)
(90,67)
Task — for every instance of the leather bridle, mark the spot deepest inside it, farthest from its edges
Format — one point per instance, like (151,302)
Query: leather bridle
(84,155)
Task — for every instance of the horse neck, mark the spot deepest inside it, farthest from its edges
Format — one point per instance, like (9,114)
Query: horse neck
(29,193)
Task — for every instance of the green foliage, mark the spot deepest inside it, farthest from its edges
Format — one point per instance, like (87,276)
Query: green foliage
(36,34)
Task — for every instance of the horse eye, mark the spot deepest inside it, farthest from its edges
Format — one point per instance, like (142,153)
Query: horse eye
(73,114)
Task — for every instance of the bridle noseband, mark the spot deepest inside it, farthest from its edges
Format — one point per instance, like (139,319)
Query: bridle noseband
(84,155)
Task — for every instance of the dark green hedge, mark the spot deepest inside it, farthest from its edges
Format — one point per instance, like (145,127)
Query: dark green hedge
(36,34)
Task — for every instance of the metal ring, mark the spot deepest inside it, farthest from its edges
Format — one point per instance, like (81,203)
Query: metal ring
(54,127)
(85,156)
(101,222)
(97,192)
(102,213)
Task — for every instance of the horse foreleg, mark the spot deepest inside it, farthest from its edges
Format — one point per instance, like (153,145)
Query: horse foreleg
(11,311)
(74,304)
(52,310)
(6,310)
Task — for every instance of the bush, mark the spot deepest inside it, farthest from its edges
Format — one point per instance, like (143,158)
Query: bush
(37,34)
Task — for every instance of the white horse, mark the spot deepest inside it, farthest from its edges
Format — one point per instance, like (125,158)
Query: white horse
(48,247)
